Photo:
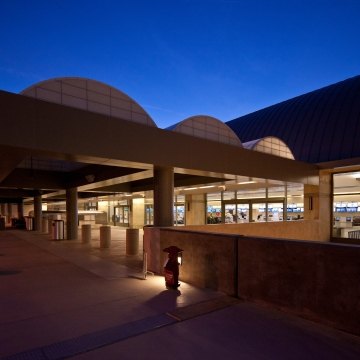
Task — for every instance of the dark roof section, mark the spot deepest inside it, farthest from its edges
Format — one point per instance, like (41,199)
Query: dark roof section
(320,126)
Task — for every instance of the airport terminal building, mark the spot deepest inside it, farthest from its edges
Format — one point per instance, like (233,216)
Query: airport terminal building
(261,205)
(82,151)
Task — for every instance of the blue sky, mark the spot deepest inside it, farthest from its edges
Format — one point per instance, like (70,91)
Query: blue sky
(179,58)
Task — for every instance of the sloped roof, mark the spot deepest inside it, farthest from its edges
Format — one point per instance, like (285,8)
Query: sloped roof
(322,125)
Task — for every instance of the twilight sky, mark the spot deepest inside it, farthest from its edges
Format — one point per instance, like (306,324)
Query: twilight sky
(179,58)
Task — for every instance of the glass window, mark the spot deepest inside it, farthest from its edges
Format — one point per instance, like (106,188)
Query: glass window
(230,214)
(179,210)
(259,212)
(346,205)
(213,204)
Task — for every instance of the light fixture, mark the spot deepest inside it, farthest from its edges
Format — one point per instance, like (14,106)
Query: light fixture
(180,258)
(310,203)
(246,182)
(90,178)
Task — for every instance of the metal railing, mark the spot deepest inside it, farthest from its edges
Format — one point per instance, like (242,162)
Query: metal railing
(354,234)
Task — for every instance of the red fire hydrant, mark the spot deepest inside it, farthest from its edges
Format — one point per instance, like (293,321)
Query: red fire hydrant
(171,268)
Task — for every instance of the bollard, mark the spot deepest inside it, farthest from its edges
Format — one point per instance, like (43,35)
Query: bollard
(86,233)
(45,225)
(105,236)
(132,241)
(50,223)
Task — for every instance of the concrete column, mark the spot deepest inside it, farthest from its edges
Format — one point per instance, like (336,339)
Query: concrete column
(163,196)
(71,214)
(37,213)
(311,202)
(20,209)
(137,214)
(325,205)
(9,213)
(195,209)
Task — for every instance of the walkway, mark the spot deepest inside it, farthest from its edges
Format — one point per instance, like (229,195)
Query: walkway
(65,299)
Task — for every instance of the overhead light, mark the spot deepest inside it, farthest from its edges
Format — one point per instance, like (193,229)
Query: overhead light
(207,187)
(191,188)
(90,178)
(246,182)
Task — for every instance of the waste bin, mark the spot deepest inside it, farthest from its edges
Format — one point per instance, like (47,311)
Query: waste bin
(29,223)
(132,241)
(58,230)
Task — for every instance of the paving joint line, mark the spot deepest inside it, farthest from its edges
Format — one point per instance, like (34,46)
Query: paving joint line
(95,340)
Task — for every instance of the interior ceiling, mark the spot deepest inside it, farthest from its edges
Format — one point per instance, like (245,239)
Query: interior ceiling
(27,176)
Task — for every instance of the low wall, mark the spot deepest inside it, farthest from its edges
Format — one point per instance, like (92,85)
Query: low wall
(319,281)
(315,280)
(297,230)
(208,261)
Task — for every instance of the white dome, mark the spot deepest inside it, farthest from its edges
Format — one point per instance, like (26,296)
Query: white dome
(207,127)
(90,95)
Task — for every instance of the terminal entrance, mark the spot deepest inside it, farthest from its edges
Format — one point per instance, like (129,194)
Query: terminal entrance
(121,215)
(149,214)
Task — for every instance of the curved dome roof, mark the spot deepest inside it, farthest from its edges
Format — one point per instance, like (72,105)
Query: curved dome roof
(320,126)
(89,95)
(270,145)
(207,127)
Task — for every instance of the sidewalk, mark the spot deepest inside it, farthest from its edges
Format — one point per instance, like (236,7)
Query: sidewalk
(65,299)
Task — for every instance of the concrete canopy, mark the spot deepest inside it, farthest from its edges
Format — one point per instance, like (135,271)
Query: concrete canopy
(117,155)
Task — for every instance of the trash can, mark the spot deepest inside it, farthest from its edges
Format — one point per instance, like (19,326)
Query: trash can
(105,236)
(86,233)
(58,230)
(132,241)
(29,223)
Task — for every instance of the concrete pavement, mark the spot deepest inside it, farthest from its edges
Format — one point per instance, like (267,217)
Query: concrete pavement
(65,299)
